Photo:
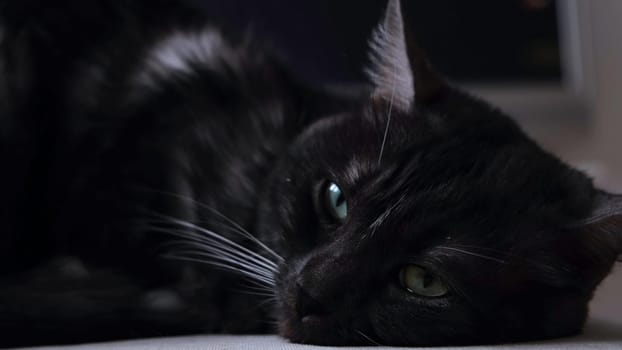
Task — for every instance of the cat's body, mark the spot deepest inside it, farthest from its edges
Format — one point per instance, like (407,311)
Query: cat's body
(99,167)
(131,130)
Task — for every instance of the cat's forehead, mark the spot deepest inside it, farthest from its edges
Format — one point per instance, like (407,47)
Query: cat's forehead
(455,160)
(481,169)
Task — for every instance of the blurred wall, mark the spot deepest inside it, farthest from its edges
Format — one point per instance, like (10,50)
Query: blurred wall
(607,105)
(606,137)
(596,143)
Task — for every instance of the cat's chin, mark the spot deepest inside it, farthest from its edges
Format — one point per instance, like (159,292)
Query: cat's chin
(313,329)
(321,330)
(302,330)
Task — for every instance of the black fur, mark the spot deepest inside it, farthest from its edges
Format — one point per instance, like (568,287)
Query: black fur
(98,162)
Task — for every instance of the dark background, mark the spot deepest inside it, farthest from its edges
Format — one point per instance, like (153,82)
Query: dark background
(478,40)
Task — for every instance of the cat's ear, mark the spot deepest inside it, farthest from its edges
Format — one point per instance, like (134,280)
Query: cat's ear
(607,209)
(605,219)
(400,71)
(598,238)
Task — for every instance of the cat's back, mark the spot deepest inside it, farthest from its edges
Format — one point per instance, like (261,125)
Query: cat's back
(113,114)
(106,100)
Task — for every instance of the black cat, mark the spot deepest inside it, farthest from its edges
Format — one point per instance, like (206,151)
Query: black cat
(146,154)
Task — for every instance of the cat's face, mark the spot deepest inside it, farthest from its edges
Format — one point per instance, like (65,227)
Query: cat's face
(449,227)
(454,236)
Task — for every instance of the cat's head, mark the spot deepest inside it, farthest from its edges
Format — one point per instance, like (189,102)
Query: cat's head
(427,217)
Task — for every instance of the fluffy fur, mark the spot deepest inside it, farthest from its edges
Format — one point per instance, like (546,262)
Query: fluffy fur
(390,70)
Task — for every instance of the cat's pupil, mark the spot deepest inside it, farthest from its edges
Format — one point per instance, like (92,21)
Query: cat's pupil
(335,200)
(428,280)
(340,200)
(417,280)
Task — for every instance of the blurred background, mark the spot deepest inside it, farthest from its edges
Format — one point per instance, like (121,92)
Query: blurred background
(556,66)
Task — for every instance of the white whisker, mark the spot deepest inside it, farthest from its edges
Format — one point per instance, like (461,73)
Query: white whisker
(473,254)
(224,257)
(378,222)
(210,245)
(220,238)
(240,230)
(247,268)
(223,266)
(368,338)
(386,129)
(260,289)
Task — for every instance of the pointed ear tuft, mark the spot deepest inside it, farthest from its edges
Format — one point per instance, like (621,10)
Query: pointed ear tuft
(606,217)
(587,249)
(390,69)
(606,206)
(399,70)
(605,221)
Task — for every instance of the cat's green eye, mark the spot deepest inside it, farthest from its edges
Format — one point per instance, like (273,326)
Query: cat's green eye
(335,201)
(421,282)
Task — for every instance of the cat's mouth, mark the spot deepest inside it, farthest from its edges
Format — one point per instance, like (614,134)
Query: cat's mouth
(327,330)
(309,329)
(319,328)
(303,320)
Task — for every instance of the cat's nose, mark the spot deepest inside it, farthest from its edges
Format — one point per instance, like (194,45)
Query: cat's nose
(306,305)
